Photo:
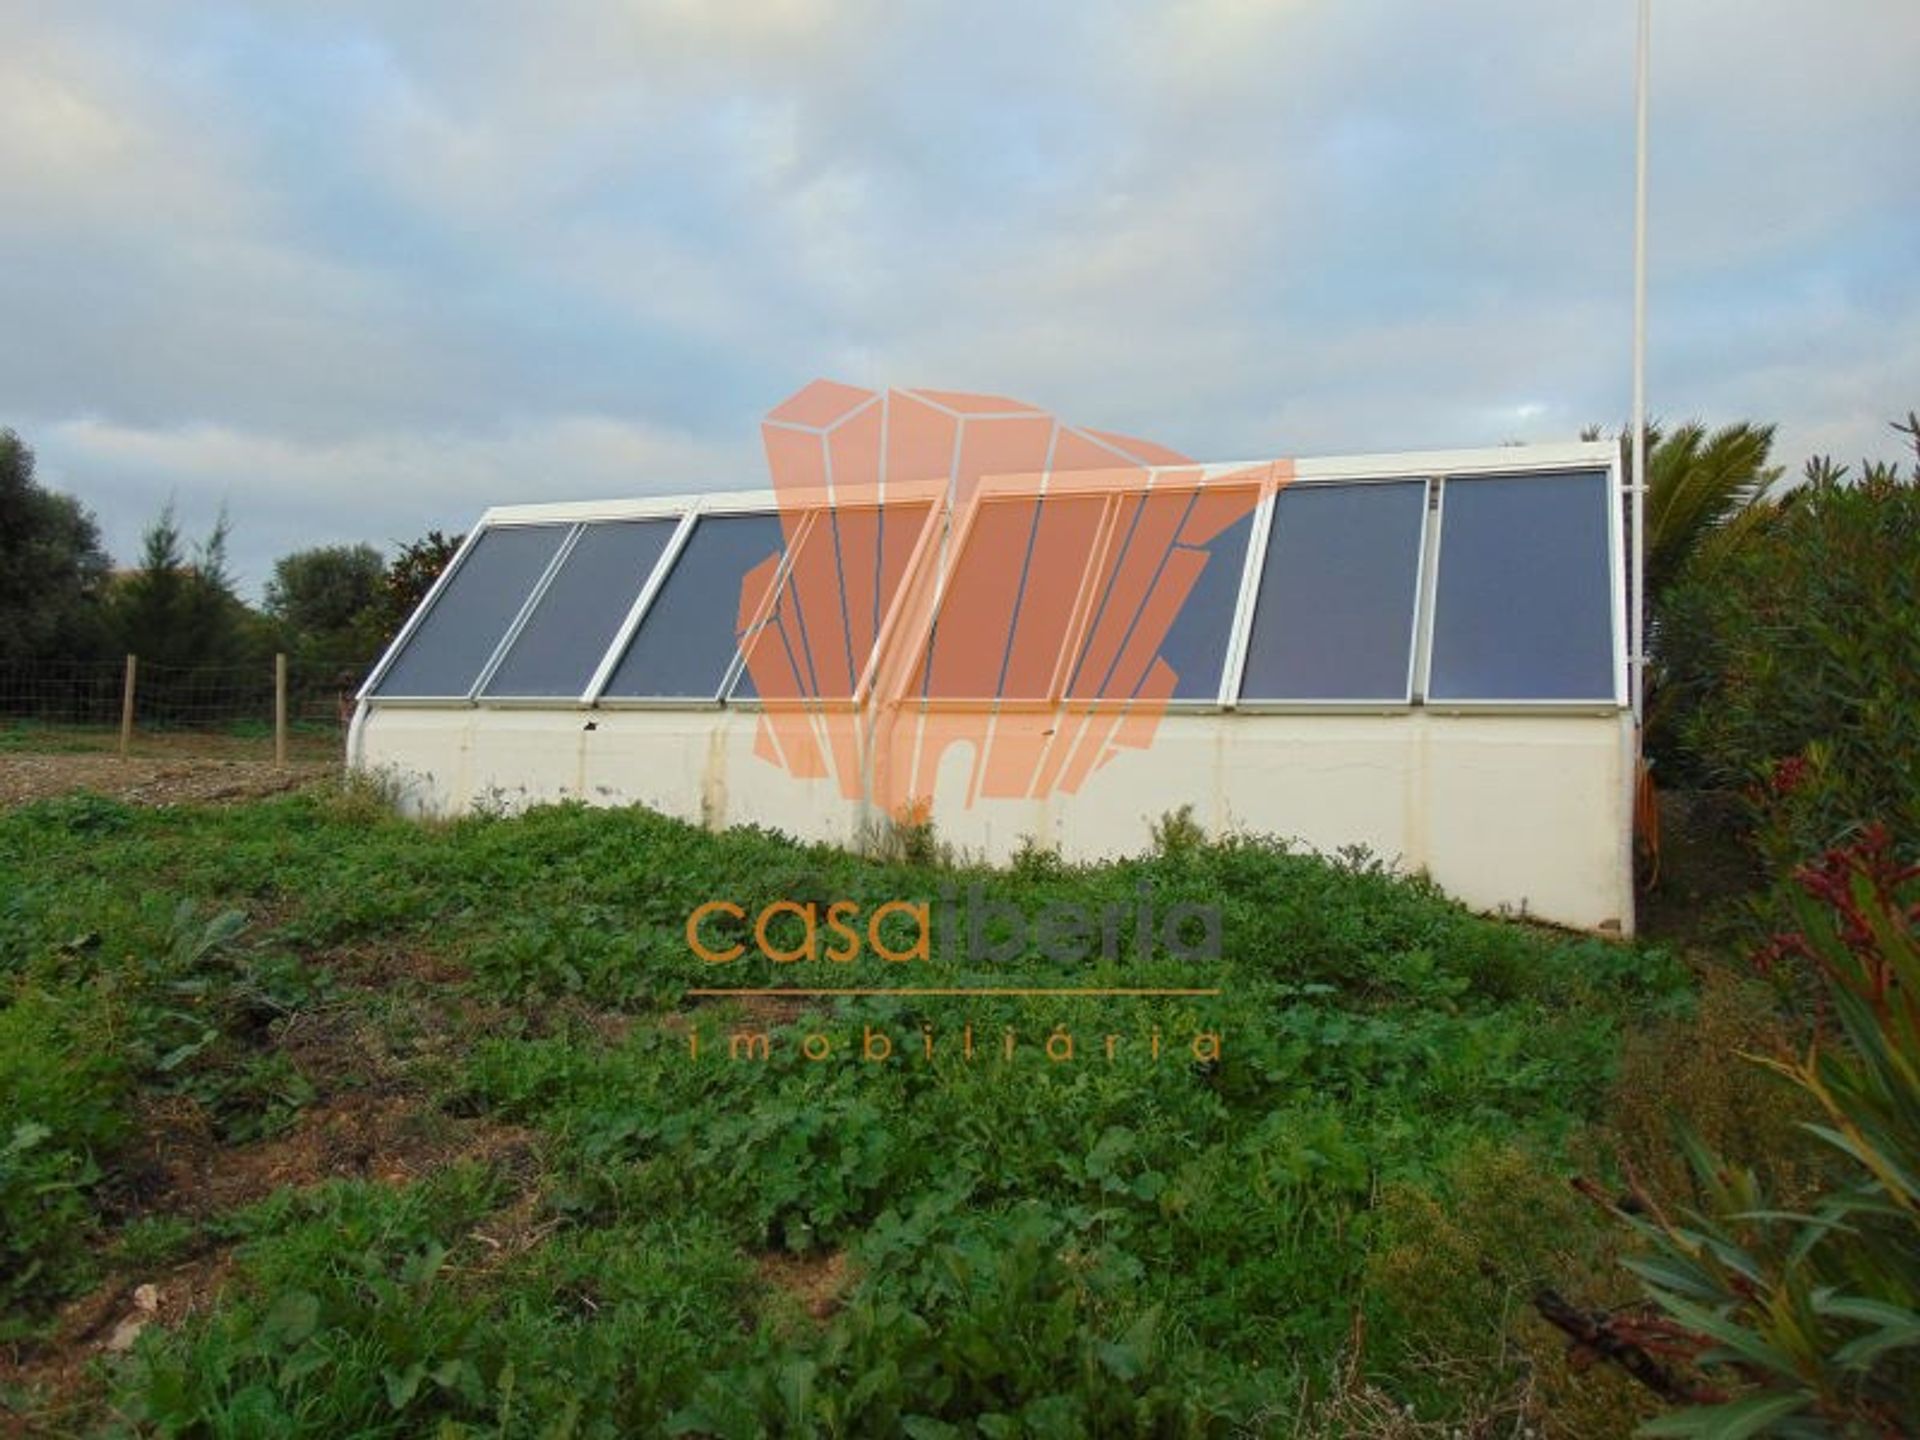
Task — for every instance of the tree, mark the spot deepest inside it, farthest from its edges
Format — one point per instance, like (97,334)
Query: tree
(1699,484)
(1701,490)
(181,611)
(330,599)
(1705,492)
(52,569)
(417,565)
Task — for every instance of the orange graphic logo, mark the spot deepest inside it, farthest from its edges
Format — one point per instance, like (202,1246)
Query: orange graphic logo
(968,571)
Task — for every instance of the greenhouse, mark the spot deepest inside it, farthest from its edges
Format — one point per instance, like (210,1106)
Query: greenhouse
(1420,654)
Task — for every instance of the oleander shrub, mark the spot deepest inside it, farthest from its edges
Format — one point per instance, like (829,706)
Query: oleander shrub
(1790,656)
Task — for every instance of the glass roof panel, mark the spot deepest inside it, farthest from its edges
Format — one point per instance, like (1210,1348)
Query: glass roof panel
(688,637)
(1169,585)
(1523,608)
(818,640)
(581,611)
(1010,598)
(459,632)
(1333,617)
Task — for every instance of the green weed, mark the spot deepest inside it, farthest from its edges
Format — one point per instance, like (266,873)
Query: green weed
(1156,1242)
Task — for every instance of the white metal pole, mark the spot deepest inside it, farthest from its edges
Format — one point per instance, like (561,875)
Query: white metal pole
(1637,495)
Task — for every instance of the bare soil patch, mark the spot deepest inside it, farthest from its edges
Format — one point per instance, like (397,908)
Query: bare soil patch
(141,780)
(55,1379)
(182,1169)
(812,1284)
(355,1135)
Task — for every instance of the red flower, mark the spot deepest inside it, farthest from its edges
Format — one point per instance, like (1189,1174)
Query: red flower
(1788,775)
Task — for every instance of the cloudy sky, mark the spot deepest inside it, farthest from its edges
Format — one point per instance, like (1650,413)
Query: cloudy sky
(360,269)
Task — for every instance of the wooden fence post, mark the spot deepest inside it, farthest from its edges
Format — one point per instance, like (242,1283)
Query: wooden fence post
(280,711)
(126,707)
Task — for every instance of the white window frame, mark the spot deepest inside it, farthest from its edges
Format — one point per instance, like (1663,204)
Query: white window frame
(675,515)
(1434,467)
(1609,465)
(1159,479)
(1030,489)
(1374,704)
(432,598)
(749,502)
(623,636)
(519,622)
(863,682)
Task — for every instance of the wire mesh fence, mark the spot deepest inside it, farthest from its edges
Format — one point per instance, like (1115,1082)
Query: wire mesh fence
(134,705)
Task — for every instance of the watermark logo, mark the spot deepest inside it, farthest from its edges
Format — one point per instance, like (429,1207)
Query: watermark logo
(964,1043)
(903,949)
(984,931)
(968,571)
(916,949)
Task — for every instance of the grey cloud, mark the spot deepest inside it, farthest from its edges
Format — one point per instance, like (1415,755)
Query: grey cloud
(366,268)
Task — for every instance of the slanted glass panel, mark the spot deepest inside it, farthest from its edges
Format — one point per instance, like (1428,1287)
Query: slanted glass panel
(1166,596)
(469,617)
(1523,609)
(819,638)
(581,610)
(690,632)
(1333,619)
(1196,643)
(1010,598)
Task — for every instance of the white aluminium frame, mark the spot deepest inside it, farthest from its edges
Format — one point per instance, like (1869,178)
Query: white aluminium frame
(1436,468)
(1257,477)
(933,525)
(863,680)
(698,508)
(1608,455)
(519,621)
(1433,467)
(1039,487)
(413,621)
(927,632)
(770,602)
(686,512)
(432,597)
(1236,698)
(622,637)
(575,518)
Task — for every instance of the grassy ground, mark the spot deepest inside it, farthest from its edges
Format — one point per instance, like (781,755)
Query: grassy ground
(317,1122)
(307,742)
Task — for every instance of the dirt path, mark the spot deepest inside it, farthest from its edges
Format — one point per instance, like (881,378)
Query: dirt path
(146,781)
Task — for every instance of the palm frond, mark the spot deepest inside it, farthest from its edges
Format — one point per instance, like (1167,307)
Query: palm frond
(1697,483)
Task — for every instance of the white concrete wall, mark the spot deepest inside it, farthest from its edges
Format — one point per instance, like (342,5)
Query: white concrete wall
(1528,813)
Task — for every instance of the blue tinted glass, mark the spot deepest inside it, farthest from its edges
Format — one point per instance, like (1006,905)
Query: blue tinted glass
(1333,619)
(1524,605)
(688,637)
(1196,643)
(581,610)
(469,617)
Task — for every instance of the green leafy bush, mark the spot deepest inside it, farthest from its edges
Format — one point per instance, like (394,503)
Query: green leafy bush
(196,1008)
(345,1321)
(60,1086)
(158,998)
(1792,661)
(1125,1245)
(1683,1065)
(1808,1324)
(1009,1329)
(1451,1277)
